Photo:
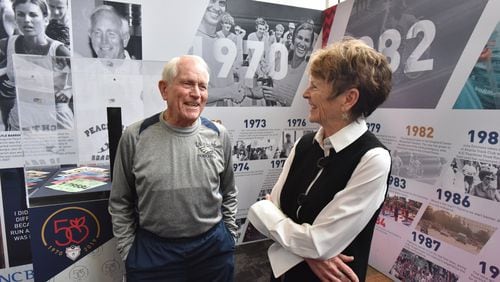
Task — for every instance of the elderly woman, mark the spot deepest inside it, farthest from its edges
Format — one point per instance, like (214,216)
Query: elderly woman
(283,91)
(334,181)
(32,17)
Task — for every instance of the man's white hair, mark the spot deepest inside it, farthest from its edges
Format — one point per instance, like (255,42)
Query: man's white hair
(124,27)
(170,70)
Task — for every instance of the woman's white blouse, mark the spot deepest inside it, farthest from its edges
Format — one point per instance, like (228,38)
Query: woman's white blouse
(339,222)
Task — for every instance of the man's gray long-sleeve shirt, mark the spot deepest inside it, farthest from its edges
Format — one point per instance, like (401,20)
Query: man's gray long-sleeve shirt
(173,182)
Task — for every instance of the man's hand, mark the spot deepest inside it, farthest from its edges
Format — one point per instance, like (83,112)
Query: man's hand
(334,269)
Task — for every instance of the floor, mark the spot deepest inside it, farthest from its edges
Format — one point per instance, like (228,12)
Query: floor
(375,276)
(252,264)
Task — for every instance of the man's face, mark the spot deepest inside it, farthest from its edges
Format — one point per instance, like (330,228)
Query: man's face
(186,95)
(58,9)
(105,35)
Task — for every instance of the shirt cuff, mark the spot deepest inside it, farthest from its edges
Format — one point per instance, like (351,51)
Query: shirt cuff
(281,260)
(264,216)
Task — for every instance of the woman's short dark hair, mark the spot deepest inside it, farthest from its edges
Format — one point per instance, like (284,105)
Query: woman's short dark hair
(40,3)
(484,173)
(351,63)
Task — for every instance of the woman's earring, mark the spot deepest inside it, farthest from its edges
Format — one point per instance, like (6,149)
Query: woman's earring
(345,116)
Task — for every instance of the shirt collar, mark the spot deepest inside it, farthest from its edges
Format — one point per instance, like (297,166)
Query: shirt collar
(343,137)
(181,130)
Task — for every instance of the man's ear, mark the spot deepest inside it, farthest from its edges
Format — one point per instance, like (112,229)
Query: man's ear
(162,86)
(125,38)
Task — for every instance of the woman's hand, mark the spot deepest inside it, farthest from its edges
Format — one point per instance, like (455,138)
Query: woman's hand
(238,93)
(240,31)
(64,95)
(334,269)
(268,93)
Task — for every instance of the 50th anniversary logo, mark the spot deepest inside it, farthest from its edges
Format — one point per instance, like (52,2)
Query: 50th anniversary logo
(71,231)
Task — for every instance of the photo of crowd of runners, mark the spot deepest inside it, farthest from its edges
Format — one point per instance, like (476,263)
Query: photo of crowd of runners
(456,230)
(410,267)
(399,209)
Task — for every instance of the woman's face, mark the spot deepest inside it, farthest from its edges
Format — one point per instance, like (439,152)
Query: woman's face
(214,10)
(488,179)
(279,32)
(322,109)
(302,43)
(261,29)
(226,26)
(30,19)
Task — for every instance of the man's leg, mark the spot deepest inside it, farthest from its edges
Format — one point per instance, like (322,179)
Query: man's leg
(212,259)
(151,258)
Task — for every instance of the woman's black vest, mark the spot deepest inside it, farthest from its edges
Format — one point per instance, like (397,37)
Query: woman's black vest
(338,168)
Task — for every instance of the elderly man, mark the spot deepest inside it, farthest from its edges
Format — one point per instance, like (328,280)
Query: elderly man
(109,33)
(173,197)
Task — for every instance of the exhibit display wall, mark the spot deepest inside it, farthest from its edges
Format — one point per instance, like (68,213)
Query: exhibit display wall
(439,221)
(440,123)
(58,163)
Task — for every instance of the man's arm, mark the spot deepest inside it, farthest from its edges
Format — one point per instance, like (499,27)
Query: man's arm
(232,91)
(3,51)
(228,188)
(122,200)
